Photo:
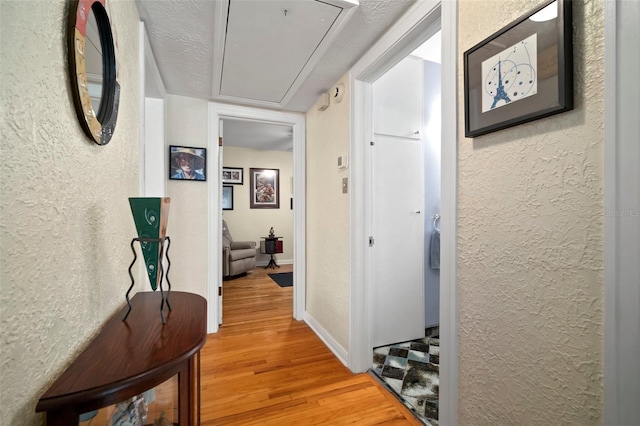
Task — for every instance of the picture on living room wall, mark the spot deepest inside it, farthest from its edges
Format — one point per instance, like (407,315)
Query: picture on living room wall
(232,175)
(187,163)
(522,73)
(227,197)
(265,188)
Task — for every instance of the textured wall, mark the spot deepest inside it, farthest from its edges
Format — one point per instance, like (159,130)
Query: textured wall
(328,218)
(187,125)
(247,224)
(65,223)
(531,246)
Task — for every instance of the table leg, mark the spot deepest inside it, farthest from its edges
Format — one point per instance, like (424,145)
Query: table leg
(272,263)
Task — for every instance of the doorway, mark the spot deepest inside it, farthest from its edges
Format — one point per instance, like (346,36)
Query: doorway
(406,167)
(250,149)
(217,113)
(406,178)
(413,29)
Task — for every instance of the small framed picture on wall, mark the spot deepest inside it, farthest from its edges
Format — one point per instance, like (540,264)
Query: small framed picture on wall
(187,163)
(227,197)
(232,175)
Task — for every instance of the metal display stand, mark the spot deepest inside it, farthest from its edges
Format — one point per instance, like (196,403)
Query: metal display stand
(163,253)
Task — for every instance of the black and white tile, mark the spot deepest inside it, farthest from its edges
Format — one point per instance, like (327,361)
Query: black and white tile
(411,371)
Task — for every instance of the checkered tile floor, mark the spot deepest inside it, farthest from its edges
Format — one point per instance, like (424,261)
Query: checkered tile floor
(411,370)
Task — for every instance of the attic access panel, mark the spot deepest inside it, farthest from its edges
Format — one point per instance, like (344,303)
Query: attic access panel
(269,43)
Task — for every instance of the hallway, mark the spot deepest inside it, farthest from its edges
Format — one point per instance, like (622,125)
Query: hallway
(263,367)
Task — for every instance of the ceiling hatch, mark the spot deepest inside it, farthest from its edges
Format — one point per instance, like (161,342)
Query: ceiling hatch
(268,47)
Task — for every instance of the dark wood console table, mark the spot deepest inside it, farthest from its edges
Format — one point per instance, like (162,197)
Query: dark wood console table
(130,357)
(271,245)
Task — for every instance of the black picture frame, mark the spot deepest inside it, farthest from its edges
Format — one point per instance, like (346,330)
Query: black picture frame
(537,91)
(227,197)
(233,175)
(197,157)
(265,188)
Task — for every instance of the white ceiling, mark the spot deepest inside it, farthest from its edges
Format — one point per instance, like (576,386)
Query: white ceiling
(254,53)
(261,64)
(257,135)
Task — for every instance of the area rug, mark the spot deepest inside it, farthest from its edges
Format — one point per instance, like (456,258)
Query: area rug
(410,370)
(283,279)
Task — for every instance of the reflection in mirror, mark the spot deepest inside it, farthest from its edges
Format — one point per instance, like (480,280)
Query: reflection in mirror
(93,62)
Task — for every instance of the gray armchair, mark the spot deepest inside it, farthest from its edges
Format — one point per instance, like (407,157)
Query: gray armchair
(237,256)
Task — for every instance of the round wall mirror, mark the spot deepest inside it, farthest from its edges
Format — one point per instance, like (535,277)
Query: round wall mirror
(92,65)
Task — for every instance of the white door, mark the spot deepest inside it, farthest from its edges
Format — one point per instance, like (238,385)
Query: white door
(398,246)
(398,100)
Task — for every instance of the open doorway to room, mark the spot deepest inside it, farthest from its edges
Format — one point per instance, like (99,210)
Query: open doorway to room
(419,24)
(257,214)
(293,123)
(406,214)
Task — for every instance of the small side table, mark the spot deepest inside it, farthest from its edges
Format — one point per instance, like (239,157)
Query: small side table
(271,245)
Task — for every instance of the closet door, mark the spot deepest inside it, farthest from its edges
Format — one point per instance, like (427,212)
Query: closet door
(398,205)
(398,100)
(398,248)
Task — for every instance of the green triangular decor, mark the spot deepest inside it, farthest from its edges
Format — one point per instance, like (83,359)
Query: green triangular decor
(150,215)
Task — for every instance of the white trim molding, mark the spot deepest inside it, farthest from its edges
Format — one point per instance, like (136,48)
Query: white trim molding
(280,261)
(420,22)
(448,405)
(327,339)
(218,111)
(622,214)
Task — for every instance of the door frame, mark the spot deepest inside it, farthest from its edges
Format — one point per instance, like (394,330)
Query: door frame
(218,111)
(411,30)
(621,186)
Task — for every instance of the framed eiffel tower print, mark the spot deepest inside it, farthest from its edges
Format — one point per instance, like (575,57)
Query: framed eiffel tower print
(521,73)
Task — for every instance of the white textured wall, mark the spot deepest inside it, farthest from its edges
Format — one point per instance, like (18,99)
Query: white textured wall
(186,125)
(65,222)
(530,252)
(328,218)
(155,152)
(247,224)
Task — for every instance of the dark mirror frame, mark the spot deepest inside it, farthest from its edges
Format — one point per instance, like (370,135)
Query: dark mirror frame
(101,125)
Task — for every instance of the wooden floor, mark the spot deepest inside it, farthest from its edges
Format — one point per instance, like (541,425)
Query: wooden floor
(264,368)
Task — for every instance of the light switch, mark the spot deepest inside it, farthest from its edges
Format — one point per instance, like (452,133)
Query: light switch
(345,185)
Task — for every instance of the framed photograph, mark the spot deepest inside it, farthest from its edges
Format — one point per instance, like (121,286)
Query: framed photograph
(227,197)
(187,163)
(265,188)
(233,175)
(521,73)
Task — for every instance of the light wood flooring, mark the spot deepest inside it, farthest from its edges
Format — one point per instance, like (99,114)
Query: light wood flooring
(265,368)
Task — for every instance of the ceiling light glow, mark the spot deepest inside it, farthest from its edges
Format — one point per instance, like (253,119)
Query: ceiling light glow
(548,13)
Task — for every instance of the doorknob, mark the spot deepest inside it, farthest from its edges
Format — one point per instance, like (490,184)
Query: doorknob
(418,211)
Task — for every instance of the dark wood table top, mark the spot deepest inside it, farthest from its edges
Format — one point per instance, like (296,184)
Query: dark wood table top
(128,357)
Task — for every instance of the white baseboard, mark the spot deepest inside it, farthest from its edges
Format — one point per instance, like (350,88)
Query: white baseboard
(340,352)
(280,262)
